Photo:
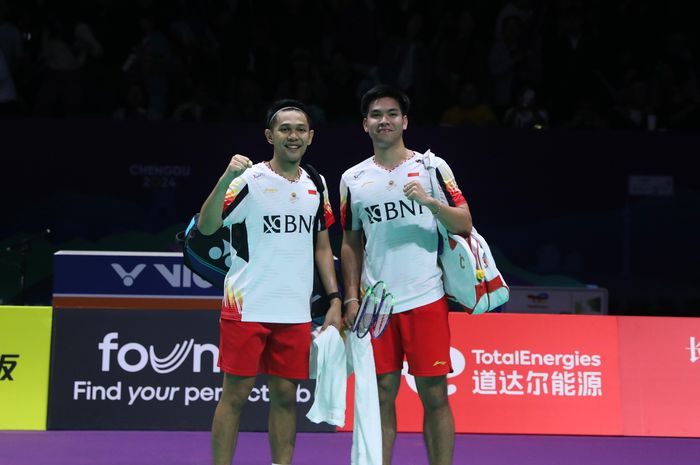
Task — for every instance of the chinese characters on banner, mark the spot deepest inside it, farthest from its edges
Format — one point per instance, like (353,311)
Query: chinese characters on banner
(527,374)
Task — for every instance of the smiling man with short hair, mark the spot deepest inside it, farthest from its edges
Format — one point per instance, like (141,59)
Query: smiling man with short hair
(265,318)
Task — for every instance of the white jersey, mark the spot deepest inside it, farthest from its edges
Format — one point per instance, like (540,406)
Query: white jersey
(401,238)
(271,279)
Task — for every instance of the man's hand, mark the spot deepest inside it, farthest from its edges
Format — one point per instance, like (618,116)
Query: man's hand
(333,316)
(237,166)
(414,191)
(351,310)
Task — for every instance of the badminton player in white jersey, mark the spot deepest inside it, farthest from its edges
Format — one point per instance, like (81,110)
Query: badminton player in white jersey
(390,234)
(265,319)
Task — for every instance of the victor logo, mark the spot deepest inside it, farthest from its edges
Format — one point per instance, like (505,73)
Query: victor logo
(8,362)
(278,224)
(392,210)
(128,277)
(133,357)
(176,275)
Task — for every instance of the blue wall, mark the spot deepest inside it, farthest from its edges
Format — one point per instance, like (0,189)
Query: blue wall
(552,202)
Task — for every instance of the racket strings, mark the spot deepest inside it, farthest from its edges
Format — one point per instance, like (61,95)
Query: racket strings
(384,312)
(375,311)
(364,318)
(365,315)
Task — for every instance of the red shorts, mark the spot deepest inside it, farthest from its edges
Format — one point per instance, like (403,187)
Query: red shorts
(247,348)
(422,335)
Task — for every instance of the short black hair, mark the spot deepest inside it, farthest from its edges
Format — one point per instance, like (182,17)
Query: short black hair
(285,104)
(381,91)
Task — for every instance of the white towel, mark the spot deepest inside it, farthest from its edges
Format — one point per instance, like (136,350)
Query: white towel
(367,428)
(327,365)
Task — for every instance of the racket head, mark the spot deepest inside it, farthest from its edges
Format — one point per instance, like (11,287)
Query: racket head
(367,314)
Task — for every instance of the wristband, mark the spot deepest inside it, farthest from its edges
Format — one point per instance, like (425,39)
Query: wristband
(333,295)
(351,299)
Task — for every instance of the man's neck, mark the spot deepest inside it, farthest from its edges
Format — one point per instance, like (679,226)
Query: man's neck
(391,156)
(285,168)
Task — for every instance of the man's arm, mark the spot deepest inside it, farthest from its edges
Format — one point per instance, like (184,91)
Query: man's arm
(351,254)
(457,220)
(210,214)
(326,271)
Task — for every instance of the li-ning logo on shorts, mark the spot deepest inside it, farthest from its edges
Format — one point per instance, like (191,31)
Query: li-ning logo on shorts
(459,364)
(277,224)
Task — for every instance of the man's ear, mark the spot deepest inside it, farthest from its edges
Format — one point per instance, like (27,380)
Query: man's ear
(405,122)
(311,136)
(268,136)
(364,124)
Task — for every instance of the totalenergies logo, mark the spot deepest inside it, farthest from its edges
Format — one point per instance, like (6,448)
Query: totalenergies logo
(459,363)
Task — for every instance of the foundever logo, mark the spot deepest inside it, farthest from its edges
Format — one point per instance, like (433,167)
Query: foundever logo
(133,357)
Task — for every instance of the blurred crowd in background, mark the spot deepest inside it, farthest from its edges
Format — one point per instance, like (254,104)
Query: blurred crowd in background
(509,63)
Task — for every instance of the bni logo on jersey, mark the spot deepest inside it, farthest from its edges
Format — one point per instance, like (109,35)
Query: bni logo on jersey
(276,224)
(694,349)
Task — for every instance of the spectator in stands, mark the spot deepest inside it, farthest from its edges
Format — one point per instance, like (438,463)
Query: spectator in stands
(634,109)
(460,56)
(10,56)
(527,114)
(405,63)
(521,9)
(342,80)
(587,115)
(246,101)
(202,106)
(572,59)
(66,46)
(469,110)
(151,62)
(682,108)
(511,63)
(303,67)
(134,106)
(303,90)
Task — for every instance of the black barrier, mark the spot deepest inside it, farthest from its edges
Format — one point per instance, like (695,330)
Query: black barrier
(146,370)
